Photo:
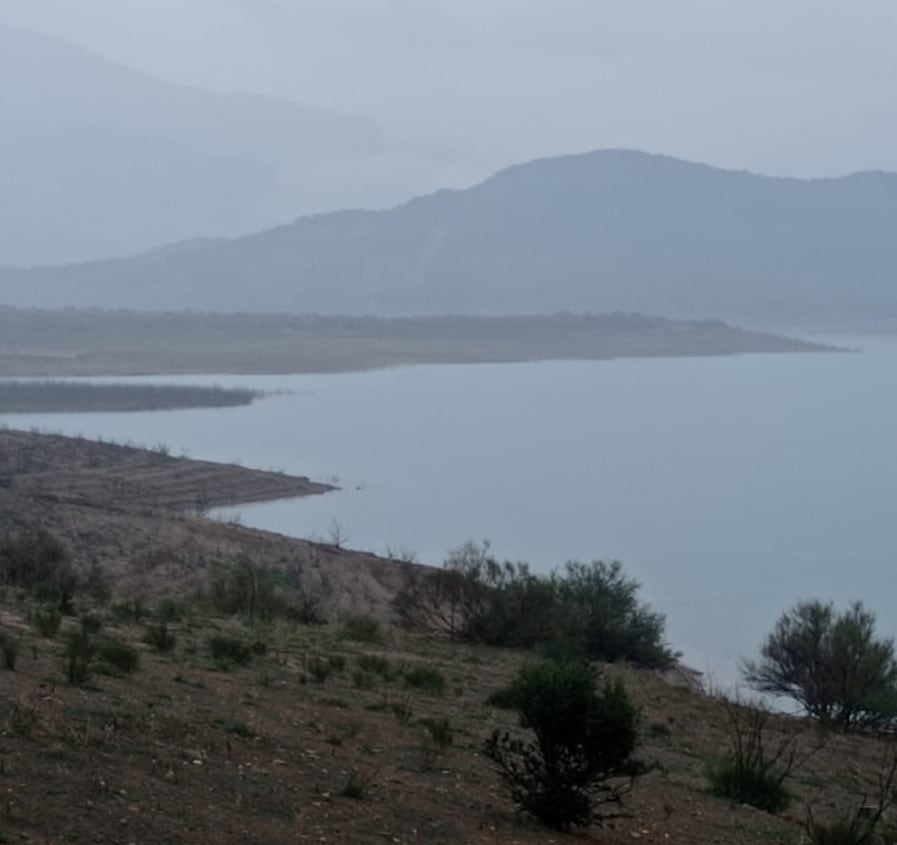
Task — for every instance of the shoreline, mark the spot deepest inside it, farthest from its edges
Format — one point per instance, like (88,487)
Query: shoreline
(59,344)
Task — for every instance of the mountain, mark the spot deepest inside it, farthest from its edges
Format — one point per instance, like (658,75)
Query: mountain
(605,231)
(97,159)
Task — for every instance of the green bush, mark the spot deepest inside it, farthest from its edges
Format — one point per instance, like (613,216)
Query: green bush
(169,610)
(577,759)
(402,712)
(91,624)
(46,621)
(119,658)
(9,646)
(132,609)
(425,678)
(337,662)
(228,652)
(259,592)
(159,638)
(79,653)
(362,629)
(602,611)
(583,610)
(355,787)
(755,771)
(749,786)
(319,669)
(440,731)
(36,560)
(375,664)
(831,663)
(363,680)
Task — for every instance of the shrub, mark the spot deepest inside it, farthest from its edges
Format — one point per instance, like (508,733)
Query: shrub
(579,756)
(375,664)
(119,657)
(79,653)
(831,663)
(600,604)
(425,678)
(402,712)
(169,610)
(46,621)
(363,680)
(159,638)
(440,731)
(228,652)
(748,785)
(319,669)
(362,629)
(91,624)
(354,787)
(129,610)
(868,824)
(9,646)
(37,560)
(584,610)
(259,592)
(97,583)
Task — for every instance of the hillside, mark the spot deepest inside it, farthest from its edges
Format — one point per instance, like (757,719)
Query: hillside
(605,231)
(353,731)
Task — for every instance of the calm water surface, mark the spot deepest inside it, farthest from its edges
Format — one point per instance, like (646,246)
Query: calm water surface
(730,487)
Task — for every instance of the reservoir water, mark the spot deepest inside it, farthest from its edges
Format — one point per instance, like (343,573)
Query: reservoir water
(729,487)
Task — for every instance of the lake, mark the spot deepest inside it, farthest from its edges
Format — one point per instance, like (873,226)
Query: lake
(729,487)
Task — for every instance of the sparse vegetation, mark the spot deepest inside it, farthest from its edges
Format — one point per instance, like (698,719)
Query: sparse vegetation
(228,652)
(425,678)
(756,769)
(362,629)
(37,561)
(440,731)
(118,658)
(870,822)
(9,648)
(17,397)
(46,621)
(355,787)
(159,637)
(375,664)
(79,653)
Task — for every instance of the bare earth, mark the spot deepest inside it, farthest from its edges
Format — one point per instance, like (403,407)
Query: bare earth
(183,752)
(82,343)
(134,512)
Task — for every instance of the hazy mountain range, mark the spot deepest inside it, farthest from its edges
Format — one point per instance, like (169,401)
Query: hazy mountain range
(97,159)
(606,231)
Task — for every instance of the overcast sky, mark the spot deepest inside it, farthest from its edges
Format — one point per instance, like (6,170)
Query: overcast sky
(794,87)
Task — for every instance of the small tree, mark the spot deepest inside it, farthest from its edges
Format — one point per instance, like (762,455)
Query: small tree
(831,663)
(601,602)
(579,759)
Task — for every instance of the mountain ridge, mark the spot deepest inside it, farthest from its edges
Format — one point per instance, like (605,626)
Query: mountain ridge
(610,230)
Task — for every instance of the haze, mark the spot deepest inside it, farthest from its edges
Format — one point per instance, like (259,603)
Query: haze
(803,88)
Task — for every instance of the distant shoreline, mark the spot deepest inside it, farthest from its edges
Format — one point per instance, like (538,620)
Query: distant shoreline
(48,396)
(71,343)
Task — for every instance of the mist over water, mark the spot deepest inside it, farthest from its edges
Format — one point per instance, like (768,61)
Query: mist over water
(730,487)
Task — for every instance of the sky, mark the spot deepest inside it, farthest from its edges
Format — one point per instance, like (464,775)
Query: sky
(800,88)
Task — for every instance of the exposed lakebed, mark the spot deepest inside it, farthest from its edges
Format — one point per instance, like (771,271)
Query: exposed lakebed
(730,487)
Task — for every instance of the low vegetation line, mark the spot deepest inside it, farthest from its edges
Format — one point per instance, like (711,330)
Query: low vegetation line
(52,396)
